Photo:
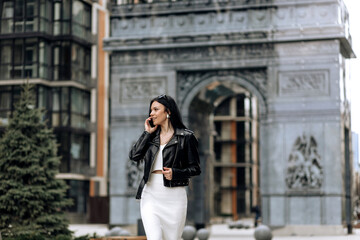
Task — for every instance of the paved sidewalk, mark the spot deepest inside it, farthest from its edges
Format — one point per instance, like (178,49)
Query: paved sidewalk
(218,232)
(222,232)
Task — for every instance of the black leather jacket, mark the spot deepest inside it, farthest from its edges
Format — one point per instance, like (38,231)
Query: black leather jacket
(180,154)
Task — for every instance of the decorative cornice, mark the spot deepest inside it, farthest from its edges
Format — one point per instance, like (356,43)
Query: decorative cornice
(197,6)
(194,54)
(190,40)
(226,22)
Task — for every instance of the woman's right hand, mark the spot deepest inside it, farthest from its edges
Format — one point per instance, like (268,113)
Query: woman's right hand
(148,128)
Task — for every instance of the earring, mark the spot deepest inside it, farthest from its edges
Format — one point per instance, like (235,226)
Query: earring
(167,116)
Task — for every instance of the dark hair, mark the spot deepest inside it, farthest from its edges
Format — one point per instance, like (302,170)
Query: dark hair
(170,106)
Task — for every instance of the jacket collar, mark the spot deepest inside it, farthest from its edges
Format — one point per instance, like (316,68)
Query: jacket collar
(179,131)
(173,140)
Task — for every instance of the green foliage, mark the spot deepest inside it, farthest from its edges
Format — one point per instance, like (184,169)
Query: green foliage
(27,237)
(59,237)
(31,198)
(63,237)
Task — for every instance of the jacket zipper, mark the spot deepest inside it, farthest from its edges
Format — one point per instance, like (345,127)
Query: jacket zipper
(172,167)
(153,161)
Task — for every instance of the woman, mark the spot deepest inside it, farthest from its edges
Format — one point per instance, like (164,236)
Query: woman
(170,153)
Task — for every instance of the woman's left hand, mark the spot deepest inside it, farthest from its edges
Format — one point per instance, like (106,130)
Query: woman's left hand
(167,173)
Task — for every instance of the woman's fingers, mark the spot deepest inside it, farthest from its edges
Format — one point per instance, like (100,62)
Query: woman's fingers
(148,127)
(167,173)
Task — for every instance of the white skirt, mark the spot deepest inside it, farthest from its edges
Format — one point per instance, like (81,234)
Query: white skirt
(163,209)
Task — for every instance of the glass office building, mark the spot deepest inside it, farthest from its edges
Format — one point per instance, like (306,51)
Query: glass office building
(54,44)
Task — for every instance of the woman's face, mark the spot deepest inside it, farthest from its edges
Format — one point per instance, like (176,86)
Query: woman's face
(158,113)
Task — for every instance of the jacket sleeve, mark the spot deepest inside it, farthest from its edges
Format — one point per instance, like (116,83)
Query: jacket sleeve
(192,155)
(138,150)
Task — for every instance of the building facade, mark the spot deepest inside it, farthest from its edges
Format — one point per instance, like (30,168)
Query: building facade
(57,45)
(263,85)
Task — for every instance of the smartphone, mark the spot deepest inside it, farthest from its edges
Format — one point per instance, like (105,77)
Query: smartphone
(151,123)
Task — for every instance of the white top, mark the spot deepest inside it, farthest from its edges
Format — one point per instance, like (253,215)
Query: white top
(158,164)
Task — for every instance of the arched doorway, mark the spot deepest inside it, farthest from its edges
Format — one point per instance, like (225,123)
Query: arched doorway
(236,162)
(225,116)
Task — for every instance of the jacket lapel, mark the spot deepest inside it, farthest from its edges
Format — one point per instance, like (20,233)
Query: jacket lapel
(175,139)
(156,140)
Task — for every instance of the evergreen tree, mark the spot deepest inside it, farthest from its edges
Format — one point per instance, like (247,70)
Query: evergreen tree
(31,198)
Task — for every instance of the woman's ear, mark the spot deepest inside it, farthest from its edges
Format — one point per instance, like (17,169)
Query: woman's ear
(168,114)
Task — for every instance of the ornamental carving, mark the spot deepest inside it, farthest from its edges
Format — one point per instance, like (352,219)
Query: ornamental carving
(204,16)
(141,89)
(176,55)
(187,80)
(304,83)
(304,164)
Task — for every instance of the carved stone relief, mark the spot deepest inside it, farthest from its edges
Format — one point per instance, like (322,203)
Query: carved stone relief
(304,169)
(193,54)
(141,89)
(304,83)
(187,80)
(238,18)
(134,175)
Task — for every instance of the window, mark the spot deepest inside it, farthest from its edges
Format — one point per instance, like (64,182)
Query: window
(45,16)
(19,16)
(235,147)
(25,58)
(31,58)
(62,17)
(80,59)
(43,101)
(72,62)
(80,153)
(62,104)
(23,16)
(74,149)
(31,16)
(62,61)
(7,16)
(44,60)
(81,13)
(5,105)
(9,95)
(22,58)
(80,108)
(60,107)
(5,59)
(70,108)
(79,192)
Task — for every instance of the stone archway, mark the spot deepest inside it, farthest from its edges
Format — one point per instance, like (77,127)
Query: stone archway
(191,83)
(197,110)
